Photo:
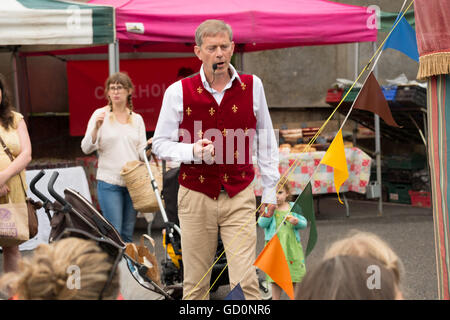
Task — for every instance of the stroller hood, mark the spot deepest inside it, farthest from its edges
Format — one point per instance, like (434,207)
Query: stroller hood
(83,215)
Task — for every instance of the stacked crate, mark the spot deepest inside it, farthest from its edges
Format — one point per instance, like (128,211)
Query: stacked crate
(400,176)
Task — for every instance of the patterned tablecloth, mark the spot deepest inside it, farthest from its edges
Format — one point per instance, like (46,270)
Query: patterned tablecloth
(323,180)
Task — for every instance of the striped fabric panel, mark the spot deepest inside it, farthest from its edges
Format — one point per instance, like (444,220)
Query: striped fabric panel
(97,22)
(438,146)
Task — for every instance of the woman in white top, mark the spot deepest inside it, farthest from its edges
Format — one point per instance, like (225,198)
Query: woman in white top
(118,135)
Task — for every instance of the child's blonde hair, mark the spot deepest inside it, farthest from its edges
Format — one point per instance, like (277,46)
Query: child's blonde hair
(366,244)
(45,275)
(287,187)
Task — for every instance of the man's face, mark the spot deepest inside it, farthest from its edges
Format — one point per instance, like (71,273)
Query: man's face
(215,49)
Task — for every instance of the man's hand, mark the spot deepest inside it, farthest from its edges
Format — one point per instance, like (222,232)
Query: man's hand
(204,150)
(270,209)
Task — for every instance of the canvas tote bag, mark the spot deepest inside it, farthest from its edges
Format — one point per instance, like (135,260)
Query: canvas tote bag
(13,223)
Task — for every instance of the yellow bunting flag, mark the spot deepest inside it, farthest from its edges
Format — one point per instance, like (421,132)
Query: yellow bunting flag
(273,262)
(335,157)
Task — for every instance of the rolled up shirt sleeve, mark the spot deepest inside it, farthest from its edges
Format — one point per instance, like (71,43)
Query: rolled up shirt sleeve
(267,146)
(165,140)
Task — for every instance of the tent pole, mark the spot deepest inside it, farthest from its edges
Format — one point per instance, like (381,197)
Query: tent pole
(111,58)
(241,61)
(378,145)
(355,128)
(16,82)
(117,55)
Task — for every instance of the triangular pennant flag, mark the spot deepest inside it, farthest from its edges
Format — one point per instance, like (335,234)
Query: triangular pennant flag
(273,262)
(403,39)
(236,293)
(335,157)
(305,204)
(371,98)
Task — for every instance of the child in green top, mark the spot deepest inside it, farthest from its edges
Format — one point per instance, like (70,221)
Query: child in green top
(288,235)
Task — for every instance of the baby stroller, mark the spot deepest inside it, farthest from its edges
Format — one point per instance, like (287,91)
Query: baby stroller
(74,215)
(172,264)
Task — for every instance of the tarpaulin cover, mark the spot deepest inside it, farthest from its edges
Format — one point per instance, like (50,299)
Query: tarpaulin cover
(257,24)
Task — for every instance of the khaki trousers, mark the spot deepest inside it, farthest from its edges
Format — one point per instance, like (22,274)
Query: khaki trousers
(201,218)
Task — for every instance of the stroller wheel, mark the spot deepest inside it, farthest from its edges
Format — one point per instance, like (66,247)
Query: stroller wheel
(265,289)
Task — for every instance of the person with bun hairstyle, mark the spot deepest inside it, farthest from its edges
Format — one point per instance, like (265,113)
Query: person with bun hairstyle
(118,135)
(347,277)
(51,273)
(368,245)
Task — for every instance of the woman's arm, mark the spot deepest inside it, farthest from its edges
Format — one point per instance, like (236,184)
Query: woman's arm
(23,158)
(89,143)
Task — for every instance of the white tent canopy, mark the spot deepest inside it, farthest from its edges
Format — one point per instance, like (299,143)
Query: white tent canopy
(44,25)
(48,22)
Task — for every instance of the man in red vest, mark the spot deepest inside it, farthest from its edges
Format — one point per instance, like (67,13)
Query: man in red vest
(208,122)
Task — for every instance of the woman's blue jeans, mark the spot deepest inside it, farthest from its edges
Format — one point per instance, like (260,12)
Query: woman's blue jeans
(117,208)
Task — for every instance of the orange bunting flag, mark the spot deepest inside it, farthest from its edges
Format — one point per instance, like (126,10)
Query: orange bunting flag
(273,262)
(335,157)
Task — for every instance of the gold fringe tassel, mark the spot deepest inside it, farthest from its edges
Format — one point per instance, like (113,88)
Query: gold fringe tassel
(433,64)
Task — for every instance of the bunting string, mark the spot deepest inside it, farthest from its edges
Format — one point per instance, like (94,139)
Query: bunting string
(284,178)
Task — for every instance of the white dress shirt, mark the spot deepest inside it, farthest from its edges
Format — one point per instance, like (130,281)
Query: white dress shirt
(165,139)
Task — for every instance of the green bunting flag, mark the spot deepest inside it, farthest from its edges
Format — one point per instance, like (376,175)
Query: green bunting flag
(305,204)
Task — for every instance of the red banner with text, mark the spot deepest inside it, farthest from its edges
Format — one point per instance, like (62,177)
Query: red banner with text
(151,77)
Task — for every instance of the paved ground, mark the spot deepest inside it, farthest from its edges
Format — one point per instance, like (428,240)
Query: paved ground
(407,229)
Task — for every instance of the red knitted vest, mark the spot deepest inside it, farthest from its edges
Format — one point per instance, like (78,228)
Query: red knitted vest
(230,126)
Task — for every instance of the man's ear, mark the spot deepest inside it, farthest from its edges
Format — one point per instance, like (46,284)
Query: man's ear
(197,52)
(232,47)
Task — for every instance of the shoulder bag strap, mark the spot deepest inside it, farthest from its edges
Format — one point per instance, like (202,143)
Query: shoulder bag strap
(11,157)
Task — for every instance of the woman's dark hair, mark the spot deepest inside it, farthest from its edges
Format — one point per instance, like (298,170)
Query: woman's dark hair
(6,115)
(348,278)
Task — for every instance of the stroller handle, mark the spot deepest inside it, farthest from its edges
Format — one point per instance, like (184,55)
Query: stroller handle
(33,187)
(52,191)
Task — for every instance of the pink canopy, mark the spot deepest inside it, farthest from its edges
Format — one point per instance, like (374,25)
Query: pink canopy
(169,25)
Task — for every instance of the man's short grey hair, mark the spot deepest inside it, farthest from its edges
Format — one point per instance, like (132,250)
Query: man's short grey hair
(211,27)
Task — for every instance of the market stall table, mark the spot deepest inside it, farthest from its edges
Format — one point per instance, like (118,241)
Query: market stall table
(72,177)
(322,182)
